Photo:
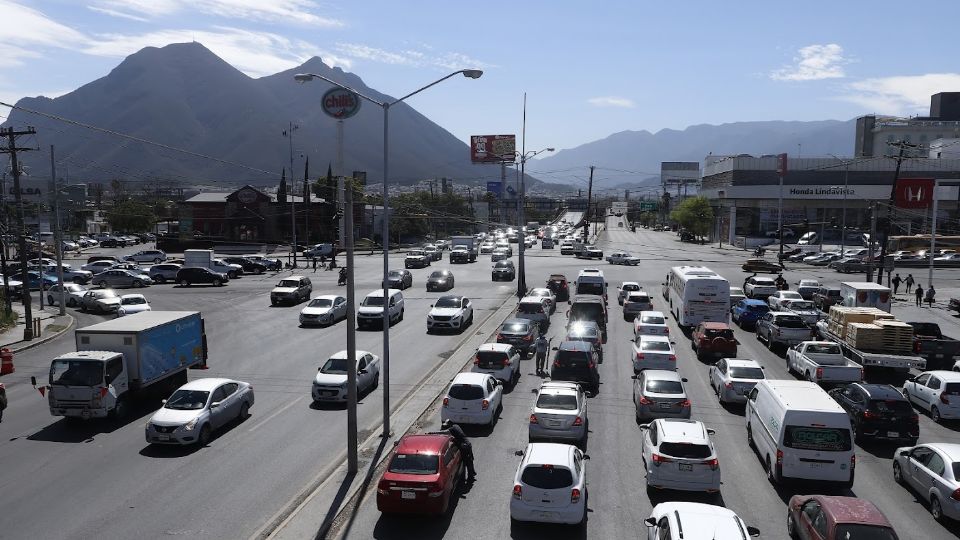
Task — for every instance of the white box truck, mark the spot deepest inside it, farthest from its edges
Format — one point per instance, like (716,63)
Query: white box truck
(461,255)
(204,258)
(865,294)
(117,359)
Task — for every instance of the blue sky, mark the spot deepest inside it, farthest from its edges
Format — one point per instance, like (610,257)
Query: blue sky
(590,69)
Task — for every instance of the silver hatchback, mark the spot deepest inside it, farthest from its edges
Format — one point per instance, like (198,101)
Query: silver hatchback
(116,277)
(658,393)
(559,414)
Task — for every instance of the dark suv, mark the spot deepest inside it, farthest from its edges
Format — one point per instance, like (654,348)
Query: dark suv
(503,271)
(576,361)
(879,412)
(518,332)
(248,266)
(589,307)
(191,275)
(826,297)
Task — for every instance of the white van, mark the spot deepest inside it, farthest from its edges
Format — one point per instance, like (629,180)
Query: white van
(591,281)
(809,239)
(370,312)
(800,432)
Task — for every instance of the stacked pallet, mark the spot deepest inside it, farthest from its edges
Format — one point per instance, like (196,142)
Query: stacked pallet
(842,316)
(864,336)
(871,329)
(897,336)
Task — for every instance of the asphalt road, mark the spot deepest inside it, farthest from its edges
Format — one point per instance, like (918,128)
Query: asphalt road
(62,479)
(618,502)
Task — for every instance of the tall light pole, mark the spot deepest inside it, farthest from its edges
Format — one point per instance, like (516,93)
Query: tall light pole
(521,268)
(385,105)
(843,219)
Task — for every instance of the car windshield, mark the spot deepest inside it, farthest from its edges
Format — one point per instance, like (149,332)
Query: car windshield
(530,308)
(373,301)
(685,450)
(105,294)
(515,328)
(187,400)
(652,319)
(437,274)
(826,348)
(655,346)
(466,392)
(801,305)
(395,274)
(586,311)
(337,366)
(817,438)
(746,373)
(503,264)
(415,464)
(860,531)
(546,477)
(561,402)
(723,333)
(630,287)
(790,321)
(447,302)
(663,387)
(76,373)
(320,302)
(288,283)
(133,301)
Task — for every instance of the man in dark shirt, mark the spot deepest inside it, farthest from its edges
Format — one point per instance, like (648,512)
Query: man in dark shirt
(466,450)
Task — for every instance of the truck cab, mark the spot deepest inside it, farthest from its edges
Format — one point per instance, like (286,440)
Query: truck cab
(87,384)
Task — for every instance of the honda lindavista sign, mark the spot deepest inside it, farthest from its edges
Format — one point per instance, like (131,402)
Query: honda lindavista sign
(493,148)
(914,192)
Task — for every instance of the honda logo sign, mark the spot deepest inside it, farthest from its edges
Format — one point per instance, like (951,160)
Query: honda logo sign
(914,192)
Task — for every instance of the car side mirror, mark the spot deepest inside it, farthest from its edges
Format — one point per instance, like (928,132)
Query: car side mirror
(711,431)
(215,404)
(163,401)
(33,381)
(518,453)
(753,531)
(634,377)
(555,348)
(650,522)
(431,305)
(586,456)
(362,372)
(683,379)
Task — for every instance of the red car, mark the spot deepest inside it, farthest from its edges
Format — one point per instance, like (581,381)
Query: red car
(821,517)
(713,339)
(422,475)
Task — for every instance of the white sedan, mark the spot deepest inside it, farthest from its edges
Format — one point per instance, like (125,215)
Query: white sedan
(544,292)
(776,300)
(324,310)
(650,323)
(132,303)
(733,378)
(190,415)
(73,292)
(330,384)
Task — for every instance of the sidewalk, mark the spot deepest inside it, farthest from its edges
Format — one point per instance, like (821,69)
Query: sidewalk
(52,324)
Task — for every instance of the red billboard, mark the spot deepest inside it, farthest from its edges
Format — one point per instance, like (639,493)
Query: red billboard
(493,148)
(914,192)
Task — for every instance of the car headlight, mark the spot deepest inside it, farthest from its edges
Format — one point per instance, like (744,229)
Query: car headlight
(189,425)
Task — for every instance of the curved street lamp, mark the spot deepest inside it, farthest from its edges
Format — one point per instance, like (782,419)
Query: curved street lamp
(521,216)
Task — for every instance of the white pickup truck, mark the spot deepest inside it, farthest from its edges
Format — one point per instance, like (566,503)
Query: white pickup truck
(822,362)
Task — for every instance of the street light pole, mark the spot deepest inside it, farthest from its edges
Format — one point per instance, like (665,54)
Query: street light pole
(843,218)
(385,105)
(521,267)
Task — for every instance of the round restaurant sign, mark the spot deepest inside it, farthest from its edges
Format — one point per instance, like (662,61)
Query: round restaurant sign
(339,103)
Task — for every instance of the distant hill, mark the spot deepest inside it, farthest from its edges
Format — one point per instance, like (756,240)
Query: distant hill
(185,96)
(632,158)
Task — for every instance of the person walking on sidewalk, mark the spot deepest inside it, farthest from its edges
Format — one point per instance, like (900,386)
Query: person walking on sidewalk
(919,294)
(908,282)
(896,282)
(931,293)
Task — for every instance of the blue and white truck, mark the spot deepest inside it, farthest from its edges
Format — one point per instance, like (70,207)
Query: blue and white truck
(116,360)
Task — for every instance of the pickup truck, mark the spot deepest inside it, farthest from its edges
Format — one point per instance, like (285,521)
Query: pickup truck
(870,359)
(930,343)
(826,297)
(780,328)
(416,258)
(822,362)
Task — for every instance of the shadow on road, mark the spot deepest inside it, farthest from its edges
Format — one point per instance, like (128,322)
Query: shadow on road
(75,430)
(351,506)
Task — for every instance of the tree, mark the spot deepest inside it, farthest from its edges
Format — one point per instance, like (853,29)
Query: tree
(695,215)
(131,216)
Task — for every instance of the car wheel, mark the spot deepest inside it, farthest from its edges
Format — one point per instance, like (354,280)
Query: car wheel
(232,275)
(184,283)
(897,473)
(244,411)
(102,284)
(935,415)
(376,382)
(791,525)
(49,300)
(137,284)
(771,472)
(204,438)
(936,510)
(157,260)
(71,303)
(750,442)
(159,279)
(119,410)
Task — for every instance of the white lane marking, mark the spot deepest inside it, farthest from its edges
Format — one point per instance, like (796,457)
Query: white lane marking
(272,416)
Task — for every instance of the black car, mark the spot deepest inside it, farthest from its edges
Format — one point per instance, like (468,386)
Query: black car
(558,284)
(503,271)
(576,361)
(248,266)
(879,412)
(191,275)
(112,243)
(590,308)
(440,280)
(518,332)
(399,279)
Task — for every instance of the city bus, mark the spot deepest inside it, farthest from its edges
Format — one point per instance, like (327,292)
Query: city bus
(697,294)
(918,242)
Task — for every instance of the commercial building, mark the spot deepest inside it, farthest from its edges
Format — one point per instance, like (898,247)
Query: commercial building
(875,132)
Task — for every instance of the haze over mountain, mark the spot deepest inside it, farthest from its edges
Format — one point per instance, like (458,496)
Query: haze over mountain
(633,157)
(184,96)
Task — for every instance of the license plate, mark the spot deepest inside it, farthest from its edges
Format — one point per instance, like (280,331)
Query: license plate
(546,515)
(408,495)
(553,423)
(939,355)
(665,405)
(328,393)
(686,467)
(815,465)
(893,434)
(163,437)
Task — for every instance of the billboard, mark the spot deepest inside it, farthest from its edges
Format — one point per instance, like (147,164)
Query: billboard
(493,148)
(494,187)
(914,192)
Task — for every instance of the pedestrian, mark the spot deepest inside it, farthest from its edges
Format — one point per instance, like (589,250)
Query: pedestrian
(931,293)
(896,282)
(323,259)
(314,259)
(908,282)
(919,295)
(466,450)
(3,400)
(542,345)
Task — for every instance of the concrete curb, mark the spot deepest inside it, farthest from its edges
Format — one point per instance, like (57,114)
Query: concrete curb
(18,346)
(332,489)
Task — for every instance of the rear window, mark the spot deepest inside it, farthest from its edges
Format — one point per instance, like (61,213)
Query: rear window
(650,319)
(465,392)
(631,287)
(892,405)
(823,349)
(563,402)
(490,359)
(664,387)
(684,450)
(746,373)
(589,288)
(716,333)
(546,477)
(592,312)
(572,358)
(834,292)
(654,346)
(638,298)
(790,321)
(817,438)
(530,308)
(414,464)
(858,531)
(952,389)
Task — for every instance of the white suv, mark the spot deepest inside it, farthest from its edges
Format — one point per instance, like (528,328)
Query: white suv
(370,312)
(473,398)
(500,360)
(550,485)
(678,454)
(676,520)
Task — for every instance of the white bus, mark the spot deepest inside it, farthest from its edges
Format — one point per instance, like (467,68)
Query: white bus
(697,294)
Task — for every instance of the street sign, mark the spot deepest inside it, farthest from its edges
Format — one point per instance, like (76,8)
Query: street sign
(648,206)
(494,187)
(339,103)
(493,148)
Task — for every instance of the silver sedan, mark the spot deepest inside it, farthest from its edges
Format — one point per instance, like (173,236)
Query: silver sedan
(116,277)
(198,408)
(658,393)
(931,470)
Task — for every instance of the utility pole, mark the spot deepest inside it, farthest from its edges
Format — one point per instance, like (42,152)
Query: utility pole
(521,214)
(873,234)
(306,201)
(781,172)
(57,236)
(5,230)
(293,206)
(893,198)
(587,216)
(351,337)
(12,149)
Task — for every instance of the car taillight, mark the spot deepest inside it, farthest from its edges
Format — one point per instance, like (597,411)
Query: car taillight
(915,419)
(685,403)
(728,385)
(103,392)
(639,356)
(779,458)
(916,349)
(533,419)
(666,330)
(528,337)
(713,463)
(484,404)
(499,336)
(590,364)
(853,462)
(868,415)
(556,363)
(446,401)
(578,421)
(658,459)
(955,495)
(507,361)
(476,360)
(575,495)
(673,358)
(382,488)
(645,401)
(861,374)
(944,399)
(517,491)
(819,372)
